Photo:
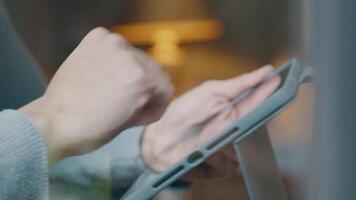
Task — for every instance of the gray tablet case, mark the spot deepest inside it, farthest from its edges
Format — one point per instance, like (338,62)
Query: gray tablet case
(259,168)
(240,134)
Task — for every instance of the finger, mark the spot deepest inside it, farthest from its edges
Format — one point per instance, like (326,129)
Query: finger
(233,87)
(218,161)
(229,153)
(149,61)
(215,168)
(164,90)
(222,166)
(258,96)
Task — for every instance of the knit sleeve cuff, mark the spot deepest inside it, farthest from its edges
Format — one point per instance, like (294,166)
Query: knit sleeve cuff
(23,158)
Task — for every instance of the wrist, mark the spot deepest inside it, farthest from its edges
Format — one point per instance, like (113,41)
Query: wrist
(155,143)
(43,119)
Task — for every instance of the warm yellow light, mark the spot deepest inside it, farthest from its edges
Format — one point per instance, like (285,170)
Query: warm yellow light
(165,48)
(186,30)
(165,36)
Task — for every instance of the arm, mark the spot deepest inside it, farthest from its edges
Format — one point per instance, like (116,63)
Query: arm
(181,115)
(27,81)
(23,76)
(104,87)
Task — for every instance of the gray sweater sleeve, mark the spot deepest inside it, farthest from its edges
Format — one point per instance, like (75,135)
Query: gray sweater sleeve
(23,159)
(102,174)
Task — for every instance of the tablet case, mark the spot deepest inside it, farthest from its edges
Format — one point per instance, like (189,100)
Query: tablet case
(259,168)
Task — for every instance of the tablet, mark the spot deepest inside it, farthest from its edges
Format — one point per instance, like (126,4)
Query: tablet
(150,182)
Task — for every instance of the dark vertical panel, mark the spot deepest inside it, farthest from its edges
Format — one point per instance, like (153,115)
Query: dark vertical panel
(20,79)
(334,56)
(53,28)
(254,28)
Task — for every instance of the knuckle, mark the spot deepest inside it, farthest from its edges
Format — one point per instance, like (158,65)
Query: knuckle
(145,57)
(115,39)
(155,64)
(95,35)
(139,76)
(124,55)
(245,79)
(99,32)
(128,56)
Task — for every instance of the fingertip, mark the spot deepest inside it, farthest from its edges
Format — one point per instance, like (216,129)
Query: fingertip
(273,83)
(260,94)
(258,75)
(236,85)
(99,31)
(263,71)
(268,68)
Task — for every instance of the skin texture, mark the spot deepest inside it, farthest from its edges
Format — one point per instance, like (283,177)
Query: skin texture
(195,107)
(104,87)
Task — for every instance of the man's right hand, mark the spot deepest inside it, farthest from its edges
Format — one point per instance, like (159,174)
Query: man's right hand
(103,87)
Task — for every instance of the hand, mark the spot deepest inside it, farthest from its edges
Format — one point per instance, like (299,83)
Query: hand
(103,87)
(195,107)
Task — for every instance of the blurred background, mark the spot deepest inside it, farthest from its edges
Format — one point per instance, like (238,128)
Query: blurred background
(194,40)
